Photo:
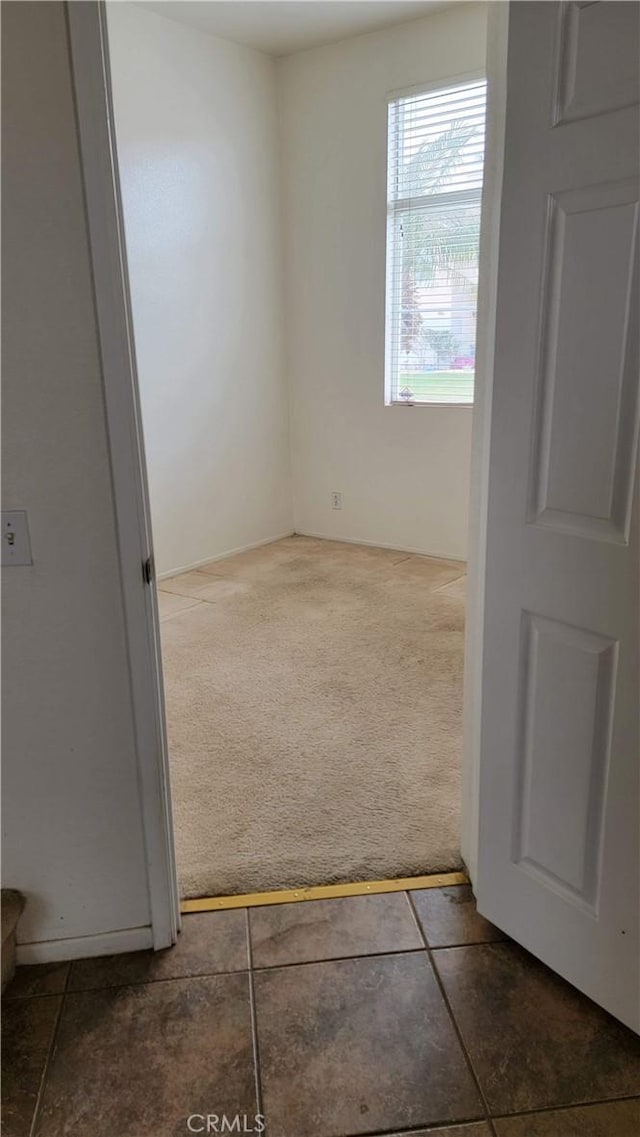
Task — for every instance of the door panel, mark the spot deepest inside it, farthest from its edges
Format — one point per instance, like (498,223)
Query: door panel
(588,372)
(597,59)
(560,752)
(567,684)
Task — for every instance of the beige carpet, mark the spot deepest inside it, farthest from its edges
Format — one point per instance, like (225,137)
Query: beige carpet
(314,696)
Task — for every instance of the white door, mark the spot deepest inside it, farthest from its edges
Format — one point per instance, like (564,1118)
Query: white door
(560,754)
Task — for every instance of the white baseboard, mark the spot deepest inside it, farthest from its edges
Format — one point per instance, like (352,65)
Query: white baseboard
(223,556)
(382,545)
(82,947)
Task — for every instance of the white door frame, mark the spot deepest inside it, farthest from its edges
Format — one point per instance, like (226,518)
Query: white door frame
(497,36)
(91,78)
(90,66)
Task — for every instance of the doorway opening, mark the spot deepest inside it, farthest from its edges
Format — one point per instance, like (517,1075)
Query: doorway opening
(292,219)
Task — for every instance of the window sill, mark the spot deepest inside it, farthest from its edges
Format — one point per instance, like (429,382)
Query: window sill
(446,406)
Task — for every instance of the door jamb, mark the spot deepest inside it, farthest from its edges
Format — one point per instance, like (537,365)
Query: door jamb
(497,36)
(89,58)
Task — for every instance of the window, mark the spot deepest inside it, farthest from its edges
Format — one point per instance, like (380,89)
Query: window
(435,163)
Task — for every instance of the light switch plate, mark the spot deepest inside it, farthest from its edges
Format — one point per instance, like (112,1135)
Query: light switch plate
(16,547)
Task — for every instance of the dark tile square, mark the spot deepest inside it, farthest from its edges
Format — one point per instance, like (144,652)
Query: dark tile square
(27,1031)
(448,917)
(209,943)
(607,1119)
(358,1046)
(332,929)
(534,1040)
(38,979)
(138,1061)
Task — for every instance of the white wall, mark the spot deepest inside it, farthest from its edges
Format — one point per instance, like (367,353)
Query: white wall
(404,472)
(72,828)
(197,131)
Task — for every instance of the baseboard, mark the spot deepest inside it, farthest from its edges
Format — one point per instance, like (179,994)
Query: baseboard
(381,545)
(83,947)
(318,536)
(223,556)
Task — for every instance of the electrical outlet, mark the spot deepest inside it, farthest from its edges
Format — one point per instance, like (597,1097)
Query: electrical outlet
(336,501)
(16,548)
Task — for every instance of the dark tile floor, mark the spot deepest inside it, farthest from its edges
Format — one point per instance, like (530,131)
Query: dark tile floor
(392,1014)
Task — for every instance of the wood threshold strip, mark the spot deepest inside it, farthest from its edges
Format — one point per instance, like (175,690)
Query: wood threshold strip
(322,892)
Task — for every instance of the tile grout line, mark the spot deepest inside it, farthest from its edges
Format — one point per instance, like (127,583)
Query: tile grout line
(254,1019)
(50,1052)
(470,943)
(146,982)
(565,1107)
(467,1057)
(440,1127)
(214,974)
(236,971)
(336,959)
(6,998)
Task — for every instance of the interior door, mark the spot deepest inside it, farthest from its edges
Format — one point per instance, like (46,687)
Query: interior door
(560,754)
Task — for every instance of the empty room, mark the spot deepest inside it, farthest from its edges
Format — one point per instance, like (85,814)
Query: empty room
(302,224)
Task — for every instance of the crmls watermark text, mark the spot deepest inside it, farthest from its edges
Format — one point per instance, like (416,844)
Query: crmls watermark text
(223,1123)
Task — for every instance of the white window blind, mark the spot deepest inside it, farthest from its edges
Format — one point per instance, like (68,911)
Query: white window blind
(435,167)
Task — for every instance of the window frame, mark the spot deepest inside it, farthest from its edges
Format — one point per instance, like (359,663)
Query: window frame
(392,211)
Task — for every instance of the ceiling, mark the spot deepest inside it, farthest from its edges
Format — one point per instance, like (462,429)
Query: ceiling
(280,27)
